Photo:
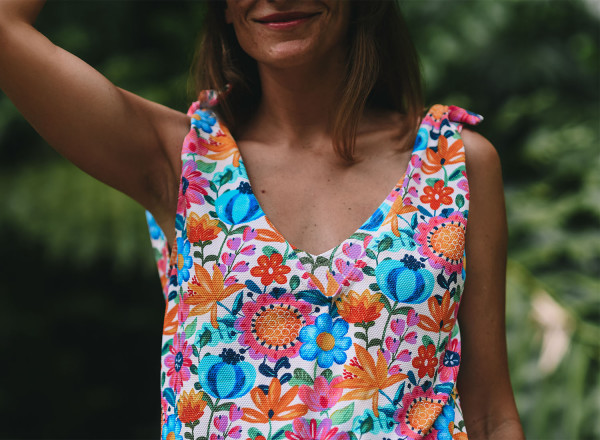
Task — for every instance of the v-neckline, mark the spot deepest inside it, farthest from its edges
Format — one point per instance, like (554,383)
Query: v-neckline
(398,186)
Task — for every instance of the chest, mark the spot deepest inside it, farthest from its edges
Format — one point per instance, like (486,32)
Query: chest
(312,200)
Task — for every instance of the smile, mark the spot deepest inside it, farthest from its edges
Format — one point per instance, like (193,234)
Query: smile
(286,20)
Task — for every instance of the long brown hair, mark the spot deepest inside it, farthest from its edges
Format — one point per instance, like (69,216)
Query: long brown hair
(382,70)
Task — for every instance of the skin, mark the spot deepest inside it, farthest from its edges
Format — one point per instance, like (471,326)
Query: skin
(289,137)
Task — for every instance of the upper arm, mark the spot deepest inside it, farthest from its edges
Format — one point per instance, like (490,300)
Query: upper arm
(126,141)
(483,381)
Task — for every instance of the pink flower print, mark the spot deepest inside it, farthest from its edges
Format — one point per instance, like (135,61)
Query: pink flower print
(450,361)
(411,338)
(234,243)
(240,266)
(403,356)
(249,234)
(353,250)
(221,423)
(227,259)
(229,281)
(367,240)
(192,187)
(393,195)
(178,362)
(415,161)
(417,178)
(301,267)
(184,310)
(235,413)
(322,396)
(307,430)
(392,344)
(235,432)
(412,318)
(397,326)
(413,191)
(193,144)
(222,268)
(348,270)
(248,250)
(395,369)
(214,436)
(464,185)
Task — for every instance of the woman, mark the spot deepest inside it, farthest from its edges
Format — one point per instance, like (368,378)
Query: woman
(257,337)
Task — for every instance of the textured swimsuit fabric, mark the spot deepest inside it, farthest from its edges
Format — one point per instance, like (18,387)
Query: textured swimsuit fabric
(264,341)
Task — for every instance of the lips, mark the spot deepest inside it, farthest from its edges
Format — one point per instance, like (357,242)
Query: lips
(283,17)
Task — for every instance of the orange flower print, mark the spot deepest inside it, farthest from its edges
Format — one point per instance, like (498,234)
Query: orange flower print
(437,195)
(190,407)
(171,321)
(443,156)
(273,406)
(205,292)
(202,228)
(222,145)
(442,314)
(270,268)
(398,208)
(355,308)
(368,378)
(426,361)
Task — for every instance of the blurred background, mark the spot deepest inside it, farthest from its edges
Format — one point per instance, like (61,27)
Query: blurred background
(82,308)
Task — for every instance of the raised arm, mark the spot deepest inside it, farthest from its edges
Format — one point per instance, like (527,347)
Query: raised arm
(128,142)
(483,381)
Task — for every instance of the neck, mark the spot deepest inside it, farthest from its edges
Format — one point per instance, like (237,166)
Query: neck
(298,103)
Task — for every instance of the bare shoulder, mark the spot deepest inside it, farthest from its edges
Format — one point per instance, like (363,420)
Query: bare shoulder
(479,150)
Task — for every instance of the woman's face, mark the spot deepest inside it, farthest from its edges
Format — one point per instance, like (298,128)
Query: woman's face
(289,33)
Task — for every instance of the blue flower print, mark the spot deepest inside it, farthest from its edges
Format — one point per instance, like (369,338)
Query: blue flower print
(443,422)
(184,260)
(172,426)
(205,120)
(229,174)
(403,242)
(384,423)
(421,141)
(225,333)
(376,219)
(155,231)
(325,341)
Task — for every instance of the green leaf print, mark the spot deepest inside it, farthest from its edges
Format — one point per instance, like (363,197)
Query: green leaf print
(210,200)
(294,282)
(269,250)
(281,433)
(190,329)
(385,244)
(204,339)
(431,181)
(457,173)
(427,340)
(206,167)
(460,201)
(342,415)
(165,348)
(253,433)
(301,377)
(327,374)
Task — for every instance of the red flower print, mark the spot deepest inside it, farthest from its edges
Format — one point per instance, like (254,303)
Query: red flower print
(437,195)
(270,268)
(426,361)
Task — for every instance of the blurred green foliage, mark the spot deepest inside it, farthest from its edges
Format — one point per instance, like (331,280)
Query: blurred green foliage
(81,353)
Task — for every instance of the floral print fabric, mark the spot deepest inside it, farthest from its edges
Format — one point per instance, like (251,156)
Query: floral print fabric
(264,341)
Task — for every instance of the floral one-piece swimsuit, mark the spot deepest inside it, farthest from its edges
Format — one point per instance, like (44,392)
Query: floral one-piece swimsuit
(264,341)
